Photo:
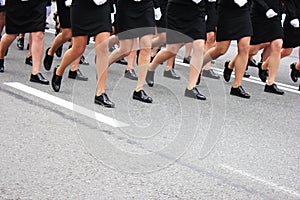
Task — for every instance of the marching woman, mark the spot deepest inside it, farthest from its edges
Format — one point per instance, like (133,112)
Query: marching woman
(211,29)
(88,18)
(267,34)
(27,17)
(63,12)
(160,13)
(234,23)
(292,35)
(185,23)
(135,19)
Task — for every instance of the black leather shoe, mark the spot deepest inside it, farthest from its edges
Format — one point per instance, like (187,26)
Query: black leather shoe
(246,74)
(199,79)
(262,73)
(227,71)
(150,78)
(187,60)
(240,92)
(171,74)
(210,74)
(28,60)
(20,43)
(252,63)
(77,74)
(1,69)
(83,61)
(122,61)
(294,72)
(273,89)
(58,51)
(38,78)
(130,74)
(48,60)
(142,96)
(56,81)
(103,100)
(194,93)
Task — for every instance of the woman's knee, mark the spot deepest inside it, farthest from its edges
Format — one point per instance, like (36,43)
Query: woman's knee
(276,45)
(66,34)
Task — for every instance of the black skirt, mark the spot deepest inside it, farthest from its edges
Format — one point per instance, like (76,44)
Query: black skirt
(64,14)
(88,19)
(233,23)
(135,19)
(291,35)
(25,16)
(185,22)
(212,17)
(266,30)
(2,8)
(162,23)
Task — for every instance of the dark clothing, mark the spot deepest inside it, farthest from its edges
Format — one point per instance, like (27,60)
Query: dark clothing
(185,21)
(212,16)
(135,19)
(291,34)
(266,29)
(234,22)
(2,8)
(64,14)
(162,23)
(25,16)
(89,19)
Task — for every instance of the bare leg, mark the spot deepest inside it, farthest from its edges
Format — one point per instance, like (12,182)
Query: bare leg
(196,62)
(101,47)
(274,60)
(60,39)
(37,49)
(6,41)
(298,63)
(144,60)
(210,42)
(188,49)
(159,40)
(170,51)
(125,47)
(170,63)
(241,60)
(286,52)
(75,64)
(132,55)
(217,51)
(78,47)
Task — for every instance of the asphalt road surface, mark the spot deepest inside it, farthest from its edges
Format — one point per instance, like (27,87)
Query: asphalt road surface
(63,146)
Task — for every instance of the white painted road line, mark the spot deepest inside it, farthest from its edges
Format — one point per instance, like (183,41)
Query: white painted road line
(66,104)
(252,79)
(257,179)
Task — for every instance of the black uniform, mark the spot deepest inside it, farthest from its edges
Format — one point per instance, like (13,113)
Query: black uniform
(291,34)
(234,22)
(87,18)
(266,29)
(212,16)
(25,16)
(64,14)
(135,18)
(162,23)
(185,21)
